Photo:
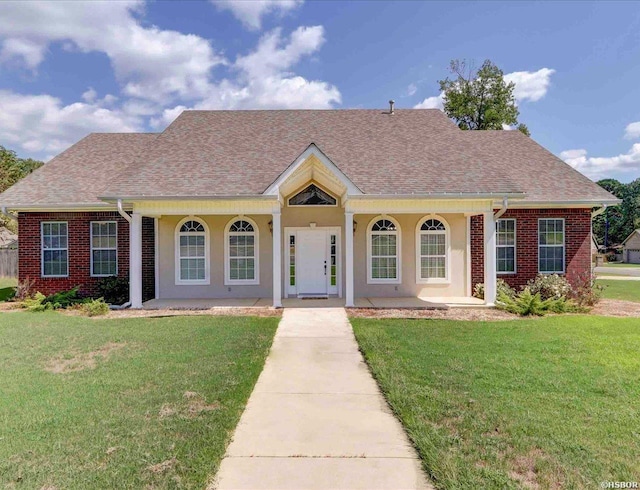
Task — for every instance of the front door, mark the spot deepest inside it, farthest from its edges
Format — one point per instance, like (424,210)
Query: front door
(311,262)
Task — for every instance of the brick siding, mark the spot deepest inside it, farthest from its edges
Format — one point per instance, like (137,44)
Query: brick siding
(29,252)
(577,244)
(148,259)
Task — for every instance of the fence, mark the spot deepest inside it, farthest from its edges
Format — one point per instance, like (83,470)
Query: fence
(8,262)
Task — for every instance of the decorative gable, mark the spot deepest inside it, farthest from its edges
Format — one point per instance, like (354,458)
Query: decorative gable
(312,195)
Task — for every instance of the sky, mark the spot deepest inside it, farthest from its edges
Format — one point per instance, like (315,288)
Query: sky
(68,69)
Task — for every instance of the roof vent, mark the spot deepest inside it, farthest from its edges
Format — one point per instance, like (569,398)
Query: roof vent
(391,103)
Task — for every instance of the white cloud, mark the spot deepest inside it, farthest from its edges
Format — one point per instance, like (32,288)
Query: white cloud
(632,131)
(150,62)
(530,85)
(601,167)
(251,12)
(412,89)
(431,103)
(41,124)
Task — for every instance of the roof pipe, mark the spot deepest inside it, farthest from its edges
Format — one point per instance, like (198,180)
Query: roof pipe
(6,213)
(599,211)
(122,212)
(501,211)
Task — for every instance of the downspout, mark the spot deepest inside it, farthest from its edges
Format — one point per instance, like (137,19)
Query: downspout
(4,212)
(503,209)
(598,211)
(126,216)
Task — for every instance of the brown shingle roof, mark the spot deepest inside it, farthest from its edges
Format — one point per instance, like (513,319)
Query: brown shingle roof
(209,153)
(80,174)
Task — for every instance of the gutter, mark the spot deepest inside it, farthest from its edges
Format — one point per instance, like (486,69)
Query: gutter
(235,197)
(441,195)
(505,206)
(598,211)
(4,212)
(122,212)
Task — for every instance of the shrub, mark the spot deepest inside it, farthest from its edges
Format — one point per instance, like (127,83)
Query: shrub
(37,303)
(24,289)
(63,299)
(586,292)
(550,286)
(501,285)
(94,307)
(114,290)
(527,303)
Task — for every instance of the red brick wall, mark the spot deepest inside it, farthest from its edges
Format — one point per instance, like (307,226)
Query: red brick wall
(148,259)
(29,253)
(577,244)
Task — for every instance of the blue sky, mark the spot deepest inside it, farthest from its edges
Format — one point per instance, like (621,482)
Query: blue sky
(67,69)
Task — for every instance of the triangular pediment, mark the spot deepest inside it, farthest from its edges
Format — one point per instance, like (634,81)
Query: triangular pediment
(313,166)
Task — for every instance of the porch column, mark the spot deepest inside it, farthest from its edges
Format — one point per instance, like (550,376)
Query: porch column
(348,241)
(489,259)
(277,260)
(135,261)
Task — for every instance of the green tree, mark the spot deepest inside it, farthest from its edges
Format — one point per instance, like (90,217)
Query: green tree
(12,169)
(480,99)
(623,219)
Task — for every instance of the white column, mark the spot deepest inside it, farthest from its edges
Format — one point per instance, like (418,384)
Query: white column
(277,260)
(135,261)
(489,259)
(348,241)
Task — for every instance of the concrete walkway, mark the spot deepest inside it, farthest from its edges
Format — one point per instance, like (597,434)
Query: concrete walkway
(316,419)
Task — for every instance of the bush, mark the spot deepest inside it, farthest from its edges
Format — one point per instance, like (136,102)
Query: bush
(94,307)
(527,303)
(24,290)
(36,303)
(550,286)
(63,299)
(501,285)
(114,290)
(586,292)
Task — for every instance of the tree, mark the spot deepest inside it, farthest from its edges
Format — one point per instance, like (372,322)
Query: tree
(622,219)
(12,169)
(480,99)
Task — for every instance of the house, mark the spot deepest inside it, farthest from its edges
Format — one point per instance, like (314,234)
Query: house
(304,203)
(631,248)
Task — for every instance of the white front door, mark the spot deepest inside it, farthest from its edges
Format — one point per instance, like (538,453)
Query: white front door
(311,262)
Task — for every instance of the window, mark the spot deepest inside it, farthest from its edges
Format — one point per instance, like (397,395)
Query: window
(506,246)
(292,260)
(313,196)
(104,248)
(192,252)
(432,247)
(551,245)
(384,263)
(55,249)
(242,252)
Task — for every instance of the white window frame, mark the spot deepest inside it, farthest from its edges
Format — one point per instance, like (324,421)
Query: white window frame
(227,253)
(447,251)
(398,256)
(92,248)
(207,259)
(42,249)
(514,246)
(564,247)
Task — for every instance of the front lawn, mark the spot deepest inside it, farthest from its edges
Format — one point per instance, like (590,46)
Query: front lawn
(131,403)
(620,289)
(542,403)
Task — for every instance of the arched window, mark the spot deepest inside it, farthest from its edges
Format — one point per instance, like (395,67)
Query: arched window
(192,252)
(432,247)
(384,251)
(241,252)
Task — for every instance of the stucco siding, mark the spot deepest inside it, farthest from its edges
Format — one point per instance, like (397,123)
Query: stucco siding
(217,288)
(408,287)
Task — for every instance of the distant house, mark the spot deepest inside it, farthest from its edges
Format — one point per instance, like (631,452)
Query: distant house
(304,203)
(631,248)
(8,239)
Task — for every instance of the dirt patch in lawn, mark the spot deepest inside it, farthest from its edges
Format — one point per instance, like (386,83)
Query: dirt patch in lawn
(471,314)
(194,404)
(82,361)
(616,307)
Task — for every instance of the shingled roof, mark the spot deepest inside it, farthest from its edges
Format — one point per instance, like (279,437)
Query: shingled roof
(240,153)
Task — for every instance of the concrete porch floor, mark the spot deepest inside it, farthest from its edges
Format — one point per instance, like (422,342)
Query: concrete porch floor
(405,302)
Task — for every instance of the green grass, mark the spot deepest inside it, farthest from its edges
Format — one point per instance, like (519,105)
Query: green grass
(107,426)
(7,287)
(550,402)
(619,289)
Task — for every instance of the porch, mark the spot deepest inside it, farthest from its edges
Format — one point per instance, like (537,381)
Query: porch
(413,303)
